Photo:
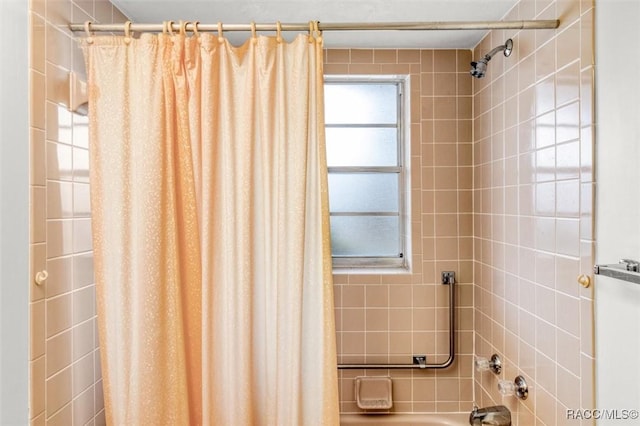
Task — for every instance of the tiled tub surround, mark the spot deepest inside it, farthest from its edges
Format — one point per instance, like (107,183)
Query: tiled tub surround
(533,204)
(65,379)
(388,318)
(499,166)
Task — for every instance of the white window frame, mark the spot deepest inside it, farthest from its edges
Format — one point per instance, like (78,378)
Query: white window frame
(379,264)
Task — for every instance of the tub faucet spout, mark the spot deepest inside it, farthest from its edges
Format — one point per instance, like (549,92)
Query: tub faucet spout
(498,415)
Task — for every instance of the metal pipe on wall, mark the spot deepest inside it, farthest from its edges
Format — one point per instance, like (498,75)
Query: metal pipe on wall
(452,345)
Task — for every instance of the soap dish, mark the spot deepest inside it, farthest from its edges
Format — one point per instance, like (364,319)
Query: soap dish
(373,393)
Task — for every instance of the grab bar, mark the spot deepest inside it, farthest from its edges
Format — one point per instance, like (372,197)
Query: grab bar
(449,280)
(626,270)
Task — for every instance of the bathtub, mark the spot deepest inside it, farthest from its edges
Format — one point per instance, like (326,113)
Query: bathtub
(446,419)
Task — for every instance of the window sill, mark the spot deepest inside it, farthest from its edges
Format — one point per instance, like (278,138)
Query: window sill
(393,266)
(371,271)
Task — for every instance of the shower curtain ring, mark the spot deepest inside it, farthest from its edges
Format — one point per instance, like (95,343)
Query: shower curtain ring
(196,33)
(220,37)
(87,30)
(311,39)
(127,32)
(183,27)
(278,32)
(317,32)
(254,38)
(170,27)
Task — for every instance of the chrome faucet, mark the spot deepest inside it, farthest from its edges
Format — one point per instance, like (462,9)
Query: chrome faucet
(498,415)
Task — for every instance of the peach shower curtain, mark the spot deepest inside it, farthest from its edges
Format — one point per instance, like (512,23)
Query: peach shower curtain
(211,233)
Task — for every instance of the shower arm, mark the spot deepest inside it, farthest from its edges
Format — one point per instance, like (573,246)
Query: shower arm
(452,340)
(493,52)
(507,48)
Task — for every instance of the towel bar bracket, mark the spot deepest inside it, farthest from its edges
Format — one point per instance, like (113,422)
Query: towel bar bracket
(625,270)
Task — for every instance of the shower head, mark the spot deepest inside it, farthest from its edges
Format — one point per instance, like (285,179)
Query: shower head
(479,68)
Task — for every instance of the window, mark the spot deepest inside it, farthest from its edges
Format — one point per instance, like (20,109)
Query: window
(368,182)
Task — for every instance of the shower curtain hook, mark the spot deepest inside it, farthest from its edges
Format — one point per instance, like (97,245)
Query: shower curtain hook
(183,27)
(254,38)
(220,36)
(196,33)
(316,29)
(87,30)
(278,32)
(127,32)
(170,27)
(311,39)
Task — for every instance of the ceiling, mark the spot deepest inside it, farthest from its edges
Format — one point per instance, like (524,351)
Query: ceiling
(300,11)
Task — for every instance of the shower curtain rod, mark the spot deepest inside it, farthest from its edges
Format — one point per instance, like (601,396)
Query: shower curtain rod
(341,26)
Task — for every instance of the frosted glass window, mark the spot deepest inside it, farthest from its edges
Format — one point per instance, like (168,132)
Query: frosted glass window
(364,146)
(363,192)
(365,236)
(364,103)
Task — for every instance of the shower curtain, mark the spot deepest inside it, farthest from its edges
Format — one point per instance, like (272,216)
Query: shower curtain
(211,230)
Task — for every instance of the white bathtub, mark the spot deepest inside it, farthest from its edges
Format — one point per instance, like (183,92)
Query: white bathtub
(446,419)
